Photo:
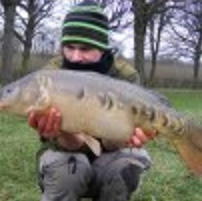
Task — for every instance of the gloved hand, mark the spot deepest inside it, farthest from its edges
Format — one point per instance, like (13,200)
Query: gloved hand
(47,124)
(140,137)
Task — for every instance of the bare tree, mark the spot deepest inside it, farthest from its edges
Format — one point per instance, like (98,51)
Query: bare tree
(156,26)
(187,28)
(36,12)
(9,7)
(144,12)
(140,9)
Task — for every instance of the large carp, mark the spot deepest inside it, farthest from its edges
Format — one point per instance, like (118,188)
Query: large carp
(104,108)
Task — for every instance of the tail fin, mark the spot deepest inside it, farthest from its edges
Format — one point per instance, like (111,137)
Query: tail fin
(190,149)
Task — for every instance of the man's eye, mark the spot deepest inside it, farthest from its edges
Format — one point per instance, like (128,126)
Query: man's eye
(85,49)
(70,47)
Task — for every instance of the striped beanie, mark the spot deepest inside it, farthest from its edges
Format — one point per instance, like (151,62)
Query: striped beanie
(87,24)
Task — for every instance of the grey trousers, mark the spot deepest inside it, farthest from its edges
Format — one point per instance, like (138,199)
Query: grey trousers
(66,176)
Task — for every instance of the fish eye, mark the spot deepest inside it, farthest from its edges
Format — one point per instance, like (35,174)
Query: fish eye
(8,90)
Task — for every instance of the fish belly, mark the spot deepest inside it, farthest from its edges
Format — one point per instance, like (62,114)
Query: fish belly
(88,115)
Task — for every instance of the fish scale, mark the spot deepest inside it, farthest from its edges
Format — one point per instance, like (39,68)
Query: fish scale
(105,108)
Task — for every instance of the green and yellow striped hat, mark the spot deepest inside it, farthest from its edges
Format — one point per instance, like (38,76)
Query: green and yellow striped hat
(87,24)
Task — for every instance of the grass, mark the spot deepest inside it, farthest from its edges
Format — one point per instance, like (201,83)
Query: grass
(167,180)
(18,146)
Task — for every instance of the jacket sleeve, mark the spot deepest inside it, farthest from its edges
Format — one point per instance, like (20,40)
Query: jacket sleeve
(54,63)
(125,71)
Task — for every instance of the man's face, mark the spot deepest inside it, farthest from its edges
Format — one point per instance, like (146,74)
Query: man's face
(81,53)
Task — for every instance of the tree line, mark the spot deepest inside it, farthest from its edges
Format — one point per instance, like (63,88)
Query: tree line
(162,28)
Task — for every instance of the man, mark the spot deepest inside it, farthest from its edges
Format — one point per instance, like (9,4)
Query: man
(68,170)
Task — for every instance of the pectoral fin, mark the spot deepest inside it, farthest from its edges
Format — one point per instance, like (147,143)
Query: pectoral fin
(42,103)
(44,100)
(93,144)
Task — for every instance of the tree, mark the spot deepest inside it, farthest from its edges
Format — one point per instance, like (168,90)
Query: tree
(9,7)
(144,12)
(156,26)
(36,11)
(140,10)
(187,27)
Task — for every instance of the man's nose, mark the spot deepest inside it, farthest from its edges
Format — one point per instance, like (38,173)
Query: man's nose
(77,56)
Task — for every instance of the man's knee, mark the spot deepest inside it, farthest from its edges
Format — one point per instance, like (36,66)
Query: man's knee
(64,176)
(139,154)
(127,171)
(118,174)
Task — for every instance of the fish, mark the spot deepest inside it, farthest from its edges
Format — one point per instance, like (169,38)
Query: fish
(102,107)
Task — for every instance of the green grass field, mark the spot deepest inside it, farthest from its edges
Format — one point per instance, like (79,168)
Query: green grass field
(167,180)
